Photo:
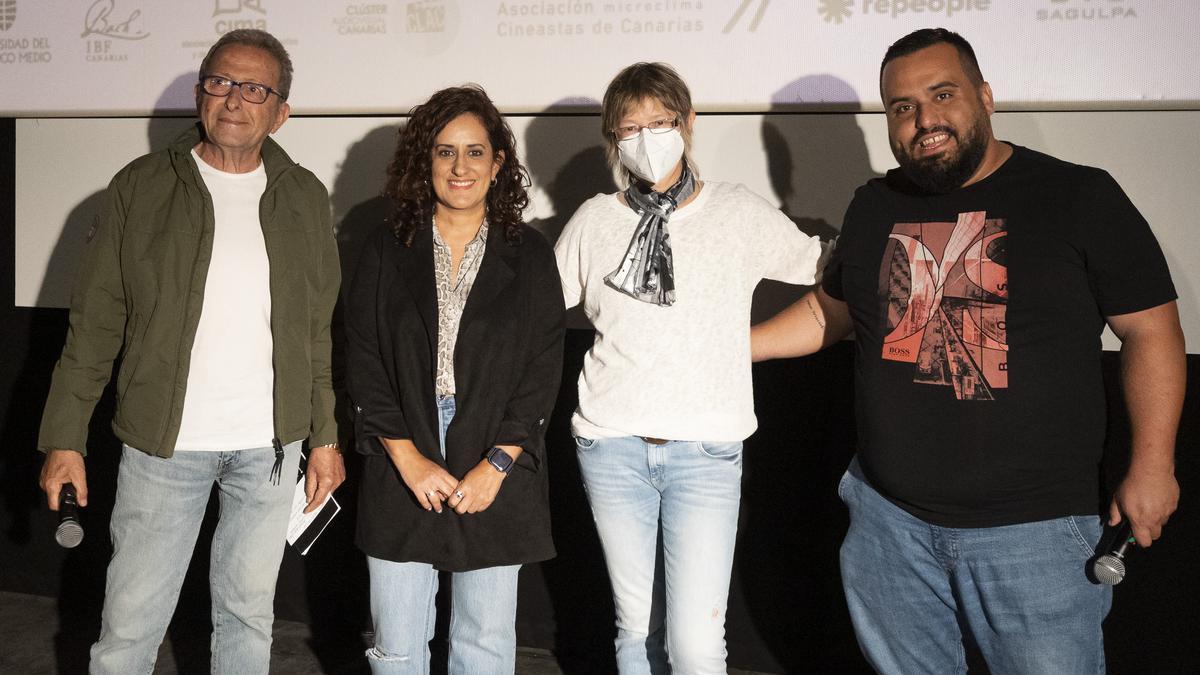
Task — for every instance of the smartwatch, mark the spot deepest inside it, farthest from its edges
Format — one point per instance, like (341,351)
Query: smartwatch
(500,460)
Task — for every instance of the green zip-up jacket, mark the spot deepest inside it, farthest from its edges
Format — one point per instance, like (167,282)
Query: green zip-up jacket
(139,290)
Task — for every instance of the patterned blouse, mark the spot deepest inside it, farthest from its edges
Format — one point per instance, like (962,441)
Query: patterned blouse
(452,297)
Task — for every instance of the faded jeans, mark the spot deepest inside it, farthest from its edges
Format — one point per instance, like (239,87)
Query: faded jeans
(159,507)
(691,492)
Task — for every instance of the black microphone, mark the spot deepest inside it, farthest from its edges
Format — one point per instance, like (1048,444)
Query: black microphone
(69,532)
(1109,569)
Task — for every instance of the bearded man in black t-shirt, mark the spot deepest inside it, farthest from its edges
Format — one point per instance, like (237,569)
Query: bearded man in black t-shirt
(978,277)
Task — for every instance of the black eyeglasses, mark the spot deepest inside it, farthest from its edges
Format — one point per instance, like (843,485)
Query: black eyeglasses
(252,92)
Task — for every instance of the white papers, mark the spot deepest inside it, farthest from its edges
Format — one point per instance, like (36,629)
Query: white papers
(304,528)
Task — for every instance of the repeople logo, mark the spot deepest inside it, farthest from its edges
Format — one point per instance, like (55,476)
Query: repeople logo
(838,11)
(1087,10)
(835,11)
(754,21)
(8,13)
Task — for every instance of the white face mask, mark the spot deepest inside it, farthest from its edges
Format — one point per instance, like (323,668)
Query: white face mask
(651,156)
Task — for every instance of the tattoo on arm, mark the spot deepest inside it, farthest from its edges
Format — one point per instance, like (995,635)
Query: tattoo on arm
(813,311)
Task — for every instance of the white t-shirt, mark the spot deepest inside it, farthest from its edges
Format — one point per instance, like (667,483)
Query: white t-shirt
(229,403)
(680,372)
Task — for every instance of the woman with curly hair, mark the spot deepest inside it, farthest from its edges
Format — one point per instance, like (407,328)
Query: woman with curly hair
(454,328)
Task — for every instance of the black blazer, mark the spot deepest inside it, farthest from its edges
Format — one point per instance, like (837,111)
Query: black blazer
(507,367)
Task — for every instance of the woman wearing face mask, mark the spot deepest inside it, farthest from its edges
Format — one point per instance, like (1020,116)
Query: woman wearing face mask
(665,271)
(454,329)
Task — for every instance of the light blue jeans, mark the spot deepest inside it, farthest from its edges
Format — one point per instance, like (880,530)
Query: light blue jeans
(159,507)
(1018,591)
(483,609)
(689,493)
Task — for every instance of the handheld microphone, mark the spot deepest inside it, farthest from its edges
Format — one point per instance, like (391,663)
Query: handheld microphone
(1109,569)
(69,532)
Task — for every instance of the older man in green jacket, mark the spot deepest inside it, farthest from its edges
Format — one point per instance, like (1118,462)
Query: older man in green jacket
(212,272)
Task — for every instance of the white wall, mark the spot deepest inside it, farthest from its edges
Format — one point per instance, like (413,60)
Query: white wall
(808,164)
(383,56)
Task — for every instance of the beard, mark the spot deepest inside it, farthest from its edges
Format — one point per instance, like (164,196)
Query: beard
(947,172)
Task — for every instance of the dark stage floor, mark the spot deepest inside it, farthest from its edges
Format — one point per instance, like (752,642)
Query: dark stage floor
(30,645)
(29,626)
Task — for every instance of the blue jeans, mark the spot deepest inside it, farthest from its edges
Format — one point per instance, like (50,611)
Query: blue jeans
(483,616)
(1019,591)
(690,492)
(159,507)
(483,609)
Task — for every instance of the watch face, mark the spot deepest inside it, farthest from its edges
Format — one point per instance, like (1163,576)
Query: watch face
(500,459)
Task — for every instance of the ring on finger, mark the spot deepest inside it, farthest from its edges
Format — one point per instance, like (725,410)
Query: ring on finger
(459,494)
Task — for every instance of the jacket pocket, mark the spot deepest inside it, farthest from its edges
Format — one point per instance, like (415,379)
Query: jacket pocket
(131,356)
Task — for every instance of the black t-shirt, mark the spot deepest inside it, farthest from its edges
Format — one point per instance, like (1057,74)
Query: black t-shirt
(978,317)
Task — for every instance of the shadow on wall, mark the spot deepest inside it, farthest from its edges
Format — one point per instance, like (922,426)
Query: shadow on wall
(566,602)
(333,576)
(564,153)
(64,259)
(792,523)
(815,162)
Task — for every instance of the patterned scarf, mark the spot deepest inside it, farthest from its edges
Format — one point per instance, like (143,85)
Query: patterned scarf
(647,272)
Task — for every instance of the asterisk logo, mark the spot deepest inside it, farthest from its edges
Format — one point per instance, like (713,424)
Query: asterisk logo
(835,11)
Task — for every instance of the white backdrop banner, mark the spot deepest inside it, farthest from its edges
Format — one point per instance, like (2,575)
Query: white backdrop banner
(134,57)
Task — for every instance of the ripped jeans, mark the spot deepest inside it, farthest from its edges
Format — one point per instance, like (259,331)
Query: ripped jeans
(483,610)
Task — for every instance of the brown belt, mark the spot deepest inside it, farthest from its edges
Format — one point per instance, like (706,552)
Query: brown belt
(654,441)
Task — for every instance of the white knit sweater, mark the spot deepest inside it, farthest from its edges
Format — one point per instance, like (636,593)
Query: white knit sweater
(680,372)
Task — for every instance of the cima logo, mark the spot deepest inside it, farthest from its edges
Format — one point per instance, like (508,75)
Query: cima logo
(8,13)
(834,11)
(222,8)
(235,6)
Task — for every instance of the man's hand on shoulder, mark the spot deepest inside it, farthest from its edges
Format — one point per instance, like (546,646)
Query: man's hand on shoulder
(62,467)
(326,471)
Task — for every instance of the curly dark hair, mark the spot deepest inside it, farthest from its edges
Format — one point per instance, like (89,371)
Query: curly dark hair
(411,169)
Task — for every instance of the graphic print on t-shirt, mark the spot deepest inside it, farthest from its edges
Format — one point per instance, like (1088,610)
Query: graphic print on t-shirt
(945,291)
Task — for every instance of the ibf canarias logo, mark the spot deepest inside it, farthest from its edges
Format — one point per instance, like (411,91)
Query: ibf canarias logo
(8,13)
(835,11)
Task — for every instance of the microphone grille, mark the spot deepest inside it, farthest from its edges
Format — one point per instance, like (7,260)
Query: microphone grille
(1109,569)
(69,534)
